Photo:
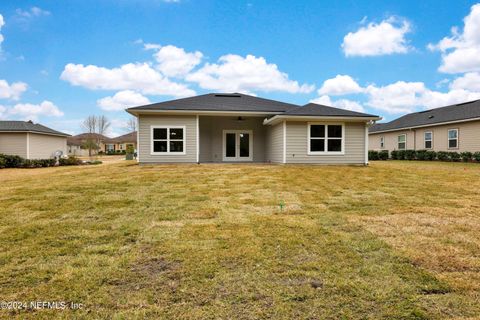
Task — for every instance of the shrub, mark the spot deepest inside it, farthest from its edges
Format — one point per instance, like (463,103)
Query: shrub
(421,154)
(410,154)
(394,155)
(70,161)
(372,155)
(401,155)
(3,163)
(442,156)
(130,149)
(476,156)
(454,156)
(382,155)
(430,155)
(466,156)
(12,161)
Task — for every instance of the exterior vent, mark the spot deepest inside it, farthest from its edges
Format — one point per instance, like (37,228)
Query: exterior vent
(430,117)
(228,95)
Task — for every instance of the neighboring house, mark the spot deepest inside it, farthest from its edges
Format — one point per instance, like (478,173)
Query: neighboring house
(31,140)
(451,128)
(76,144)
(121,142)
(238,127)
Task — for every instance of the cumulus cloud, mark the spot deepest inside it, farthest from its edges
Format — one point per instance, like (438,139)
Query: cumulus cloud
(342,103)
(29,111)
(245,74)
(122,100)
(3,112)
(374,39)
(132,76)
(340,85)
(32,12)
(461,51)
(397,97)
(469,81)
(12,91)
(173,61)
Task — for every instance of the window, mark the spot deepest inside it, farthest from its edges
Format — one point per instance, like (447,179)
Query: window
(428,137)
(402,142)
(382,142)
(110,147)
(325,138)
(453,138)
(168,140)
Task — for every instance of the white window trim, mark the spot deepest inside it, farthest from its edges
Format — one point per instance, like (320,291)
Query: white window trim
(326,153)
(382,142)
(168,140)
(398,143)
(425,140)
(448,138)
(237,157)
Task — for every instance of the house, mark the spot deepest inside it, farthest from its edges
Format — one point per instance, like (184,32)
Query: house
(451,128)
(221,127)
(121,142)
(77,144)
(31,140)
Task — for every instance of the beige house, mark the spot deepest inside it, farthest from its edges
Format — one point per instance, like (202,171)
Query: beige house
(31,140)
(242,128)
(76,144)
(120,143)
(451,128)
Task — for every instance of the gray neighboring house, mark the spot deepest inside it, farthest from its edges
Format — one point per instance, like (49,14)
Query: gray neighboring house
(451,128)
(220,127)
(30,140)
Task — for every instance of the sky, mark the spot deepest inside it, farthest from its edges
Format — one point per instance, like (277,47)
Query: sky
(61,61)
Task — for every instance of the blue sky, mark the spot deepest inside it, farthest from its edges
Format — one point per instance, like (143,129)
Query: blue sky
(64,60)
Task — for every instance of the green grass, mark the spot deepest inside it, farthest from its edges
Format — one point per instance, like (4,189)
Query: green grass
(396,240)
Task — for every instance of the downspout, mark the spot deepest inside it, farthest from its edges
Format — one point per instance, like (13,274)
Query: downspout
(198,140)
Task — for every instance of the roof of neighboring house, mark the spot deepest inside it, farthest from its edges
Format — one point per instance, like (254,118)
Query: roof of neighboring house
(457,112)
(244,103)
(28,126)
(129,137)
(79,139)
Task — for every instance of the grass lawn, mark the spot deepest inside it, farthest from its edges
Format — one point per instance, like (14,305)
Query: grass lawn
(396,240)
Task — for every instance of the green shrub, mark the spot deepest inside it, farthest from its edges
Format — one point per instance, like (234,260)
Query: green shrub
(421,154)
(383,155)
(401,155)
(131,150)
(70,161)
(443,156)
(3,163)
(454,156)
(476,156)
(12,161)
(372,155)
(410,154)
(466,156)
(394,155)
(430,155)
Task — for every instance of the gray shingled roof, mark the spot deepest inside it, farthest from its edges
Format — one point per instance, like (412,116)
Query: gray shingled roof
(242,102)
(313,109)
(220,102)
(28,126)
(456,112)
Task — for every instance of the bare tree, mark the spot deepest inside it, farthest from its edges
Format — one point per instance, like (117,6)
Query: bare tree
(96,127)
(132,124)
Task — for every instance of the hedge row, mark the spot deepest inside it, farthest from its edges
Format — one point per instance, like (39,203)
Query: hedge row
(10,161)
(424,155)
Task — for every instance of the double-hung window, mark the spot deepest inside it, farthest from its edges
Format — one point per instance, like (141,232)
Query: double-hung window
(453,139)
(168,140)
(428,137)
(402,142)
(382,142)
(325,138)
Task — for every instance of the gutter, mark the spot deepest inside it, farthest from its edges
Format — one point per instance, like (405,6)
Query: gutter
(426,125)
(278,118)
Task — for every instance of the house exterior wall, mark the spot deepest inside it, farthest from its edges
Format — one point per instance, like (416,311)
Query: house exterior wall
(468,138)
(211,136)
(145,139)
(274,143)
(43,146)
(297,145)
(13,144)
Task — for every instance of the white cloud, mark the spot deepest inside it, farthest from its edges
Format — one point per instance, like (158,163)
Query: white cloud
(30,111)
(12,91)
(122,100)
(342,103)
(3,112)
(435,99)
(469,81)
(340,85)
(386,37)
(174,61)
(132,76)
(461,51)
(32,12)
(2,23)
(245,74)
(398,97)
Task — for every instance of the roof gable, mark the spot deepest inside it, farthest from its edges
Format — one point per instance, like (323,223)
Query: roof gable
(28,126)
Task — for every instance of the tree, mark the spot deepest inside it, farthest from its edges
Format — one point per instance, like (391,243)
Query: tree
(132,125)
(96,127)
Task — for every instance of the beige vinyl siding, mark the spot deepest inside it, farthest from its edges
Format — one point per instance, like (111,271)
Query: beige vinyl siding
(13,144)
(297,145)
(144,150)
(211,136)
(43,146)
(468,137)
(274,147)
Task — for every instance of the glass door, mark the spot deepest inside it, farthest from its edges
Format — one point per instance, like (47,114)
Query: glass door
(237,145)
